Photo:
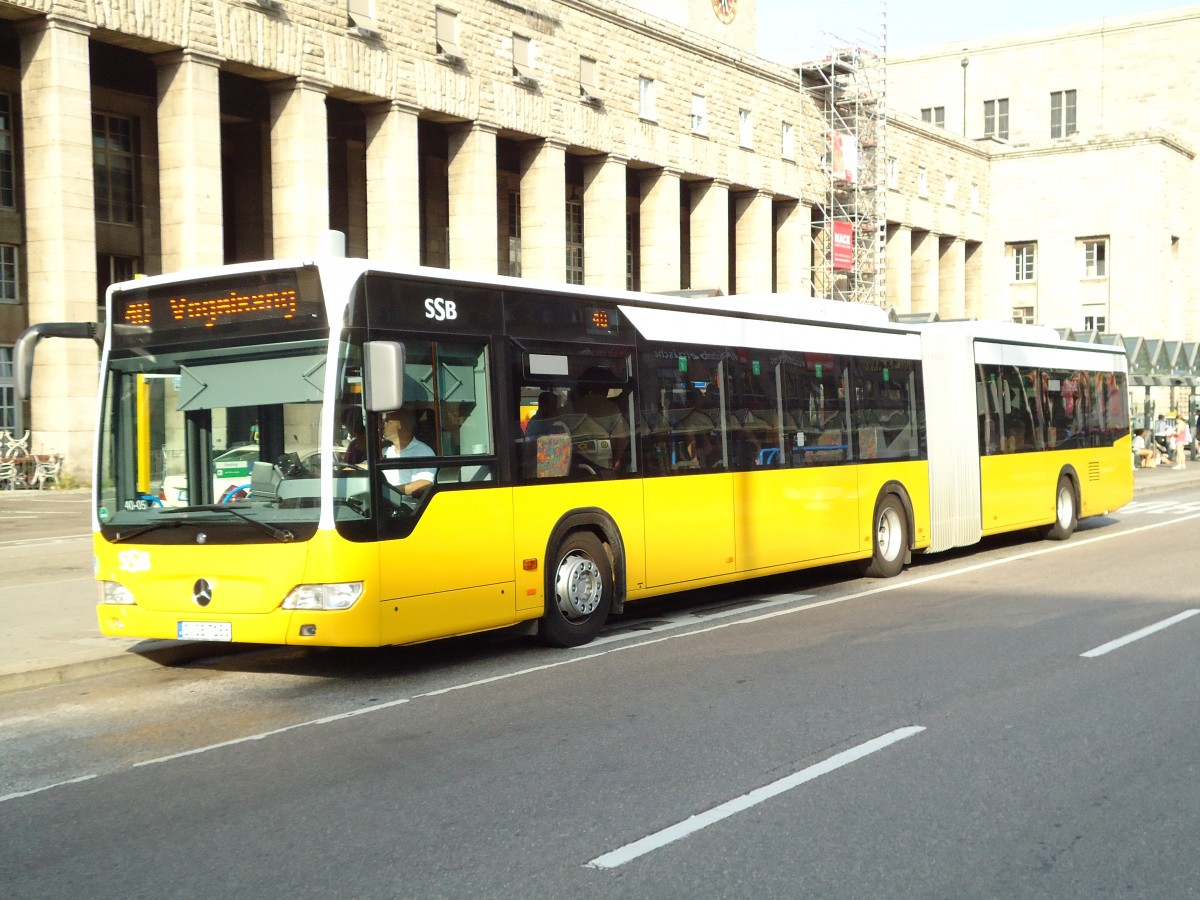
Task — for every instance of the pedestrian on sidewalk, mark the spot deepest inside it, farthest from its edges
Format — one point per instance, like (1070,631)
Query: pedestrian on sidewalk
(1143,456)
(1162,431)
(1183,442)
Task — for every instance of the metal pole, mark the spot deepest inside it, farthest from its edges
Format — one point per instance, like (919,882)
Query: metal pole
(965,62)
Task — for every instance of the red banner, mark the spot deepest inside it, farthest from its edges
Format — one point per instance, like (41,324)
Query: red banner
(843,245)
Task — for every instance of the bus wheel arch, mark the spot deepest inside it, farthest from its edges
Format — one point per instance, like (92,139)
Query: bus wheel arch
(892,527)
(1066,506)
(584,578)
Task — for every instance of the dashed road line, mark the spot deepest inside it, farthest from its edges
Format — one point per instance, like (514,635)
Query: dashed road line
(1138,635)
(700,821)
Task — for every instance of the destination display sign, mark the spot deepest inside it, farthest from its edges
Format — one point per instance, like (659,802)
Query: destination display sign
(215,305)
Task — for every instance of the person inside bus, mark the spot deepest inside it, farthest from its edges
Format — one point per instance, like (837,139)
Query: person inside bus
(547,410)
(356,447)
(400,443)
(591,399)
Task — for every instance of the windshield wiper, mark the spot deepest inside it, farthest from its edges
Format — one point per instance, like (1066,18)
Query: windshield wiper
(142,529)
(278,533)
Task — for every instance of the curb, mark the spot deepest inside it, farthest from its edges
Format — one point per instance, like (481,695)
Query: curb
(161,654)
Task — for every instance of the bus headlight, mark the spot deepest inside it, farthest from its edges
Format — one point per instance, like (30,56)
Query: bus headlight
(324,596)
(116,593)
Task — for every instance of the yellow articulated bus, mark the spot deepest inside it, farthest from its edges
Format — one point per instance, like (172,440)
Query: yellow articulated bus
(422,454)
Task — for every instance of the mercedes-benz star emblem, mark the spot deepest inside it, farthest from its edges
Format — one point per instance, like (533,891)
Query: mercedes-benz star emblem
(202,592)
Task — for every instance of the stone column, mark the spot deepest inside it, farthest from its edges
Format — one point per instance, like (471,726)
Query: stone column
(660,241)
(299,167)
(951,278)
(544,210)
(60,229)
(189,160)
(973,283)
(752,234)
(393,184)
(709,221)
(924,272)
(474,234)
(793,248)
(604,216)
(899,268)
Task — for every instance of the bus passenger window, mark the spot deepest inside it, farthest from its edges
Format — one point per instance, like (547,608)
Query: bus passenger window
(683,410)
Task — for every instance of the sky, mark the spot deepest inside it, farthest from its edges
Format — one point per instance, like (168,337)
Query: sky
(791,31)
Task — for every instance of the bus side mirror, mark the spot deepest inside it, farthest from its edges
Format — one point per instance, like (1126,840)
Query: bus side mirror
(383,375)
(24,347)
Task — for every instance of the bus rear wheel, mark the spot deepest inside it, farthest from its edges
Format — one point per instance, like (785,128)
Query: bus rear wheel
(579,592)
(1066,516)
(889,538)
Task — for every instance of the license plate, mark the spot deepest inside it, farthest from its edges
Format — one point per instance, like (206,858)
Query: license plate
(205,631)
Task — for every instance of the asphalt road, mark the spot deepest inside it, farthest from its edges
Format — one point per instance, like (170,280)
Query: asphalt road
(966,730)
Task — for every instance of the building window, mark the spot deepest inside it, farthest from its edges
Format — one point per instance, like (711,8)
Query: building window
(514,234)
(589,81)
(10,282)
(788,150)
(975,198)
(1023,315)
(8,173)
(951,187)
(699,114)
(1094,321)
(1095,258)
(574,241)
(922,182)
(893,173)
(745,128)
(8,392)
(934,115)
(633,250)
(113,168)
(646,106)
(1023,256)
(447,34)
(109,270)
(1062,114)
(995,119)
(362,15)
(523,58)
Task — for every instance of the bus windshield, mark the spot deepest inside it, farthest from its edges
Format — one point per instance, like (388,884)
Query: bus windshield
(228,434)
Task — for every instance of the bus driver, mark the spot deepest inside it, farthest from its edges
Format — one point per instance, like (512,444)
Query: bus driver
(399,443)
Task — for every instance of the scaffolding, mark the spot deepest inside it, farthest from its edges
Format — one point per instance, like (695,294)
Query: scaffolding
(850,229)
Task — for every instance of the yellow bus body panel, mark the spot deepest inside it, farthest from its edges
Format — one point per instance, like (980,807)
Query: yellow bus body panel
(788,516)
(454,573)
(249,583)
(538,508)
(913,477)
(1019,488)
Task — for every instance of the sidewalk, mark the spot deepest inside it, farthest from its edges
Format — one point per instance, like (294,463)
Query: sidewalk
(50,633)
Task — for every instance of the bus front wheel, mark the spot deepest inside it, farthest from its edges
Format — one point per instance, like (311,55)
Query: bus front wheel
(1066,516)
(579,592)
(889,538)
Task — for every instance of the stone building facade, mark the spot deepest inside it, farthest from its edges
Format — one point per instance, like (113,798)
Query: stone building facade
(614,144)
(1089,136)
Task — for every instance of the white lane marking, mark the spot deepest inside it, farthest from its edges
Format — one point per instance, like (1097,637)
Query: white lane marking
(39,542)
(683,619)
(35,585)
(634,644)
(46,787)
(1138,635)
(695,823)
(1159,508)
(324,720)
